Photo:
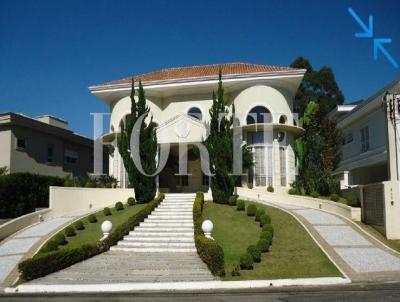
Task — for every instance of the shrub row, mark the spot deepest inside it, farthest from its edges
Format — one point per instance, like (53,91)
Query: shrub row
(45,263)
(209,250)
(253,252)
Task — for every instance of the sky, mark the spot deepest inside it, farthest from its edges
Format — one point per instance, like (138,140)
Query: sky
(52,51)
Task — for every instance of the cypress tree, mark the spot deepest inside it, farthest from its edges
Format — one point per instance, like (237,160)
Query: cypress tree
(145,186)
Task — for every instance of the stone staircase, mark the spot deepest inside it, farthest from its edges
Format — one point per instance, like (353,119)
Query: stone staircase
(169,228)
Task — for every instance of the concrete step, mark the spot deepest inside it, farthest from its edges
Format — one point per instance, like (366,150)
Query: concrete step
(163,232)
(163,215)
(168,238)
(155,244)
(172,211)
(153,250)
(167,224)
(160,234)
(168,219)
(183,206)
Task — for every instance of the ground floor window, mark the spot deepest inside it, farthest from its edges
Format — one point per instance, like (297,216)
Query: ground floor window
(263,166)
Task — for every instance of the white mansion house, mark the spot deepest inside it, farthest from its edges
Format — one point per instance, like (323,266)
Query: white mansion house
(180,99)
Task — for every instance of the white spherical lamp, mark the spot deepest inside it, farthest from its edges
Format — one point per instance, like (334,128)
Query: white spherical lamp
(106,228)
(207,227)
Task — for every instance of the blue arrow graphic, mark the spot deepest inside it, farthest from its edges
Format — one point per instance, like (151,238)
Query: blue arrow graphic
(378,46)
(368,31)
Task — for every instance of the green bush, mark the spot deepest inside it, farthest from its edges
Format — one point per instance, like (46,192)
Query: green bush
(92,218)
(45,263)
(209,250)
(233,200)
(22,193)
(251,210)
(119,206)
(240,205)
(246,261)
(49,246)
(314,194)
(265,219)
(70,231)
(255,252)
(79,225)
(292,191)
(59,239)
(353,200)
(270,189)
(335,197)
(266,235)
(259,213)
(131,201)
(236,271)
(263,245)
(269,228)
(107,211)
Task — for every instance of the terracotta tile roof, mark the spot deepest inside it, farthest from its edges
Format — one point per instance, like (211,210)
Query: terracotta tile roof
(180,73)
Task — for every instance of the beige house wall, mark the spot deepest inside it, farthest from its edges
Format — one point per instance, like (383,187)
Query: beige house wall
(5,148)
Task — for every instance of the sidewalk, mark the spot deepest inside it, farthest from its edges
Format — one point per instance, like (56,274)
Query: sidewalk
(25,243)
(359,256)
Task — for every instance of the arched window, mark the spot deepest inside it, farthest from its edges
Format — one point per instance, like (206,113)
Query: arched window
(195,112)
(258,115)
(282,119)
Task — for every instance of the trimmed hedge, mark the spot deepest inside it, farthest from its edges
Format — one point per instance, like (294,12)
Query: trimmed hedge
(246,261)
(45,263)
(92,218)
(270,189)
(70,231)
(209,250)
(107,211)
(119,206)
(240,205)
(233,200)
(265,219)
(251,210)
(255,252)
(314,194)
(131,201)
(292,191)
(21,193)
(335,197)
(259,213)
(79,225)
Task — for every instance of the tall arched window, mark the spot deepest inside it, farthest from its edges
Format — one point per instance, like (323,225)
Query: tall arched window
(195,112)
(258,115)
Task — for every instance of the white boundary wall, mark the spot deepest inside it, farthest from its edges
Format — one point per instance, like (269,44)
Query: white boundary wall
(64,201)
(309,202)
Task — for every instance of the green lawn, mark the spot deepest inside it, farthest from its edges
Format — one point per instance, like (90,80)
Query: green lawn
(92,232)
(293,253)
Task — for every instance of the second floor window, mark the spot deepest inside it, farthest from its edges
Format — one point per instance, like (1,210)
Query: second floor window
(70,157)
(50,153)
(364,132)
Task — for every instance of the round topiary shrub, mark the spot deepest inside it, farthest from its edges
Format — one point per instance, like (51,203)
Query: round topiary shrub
(131,201)
(254,252)
(270,189)
(259,213)
(265,219)
(246,261)
(240,205)
(92,218)
(107,211)
(251,210)
(335,197)
(70,231)
(263,245)
(119,206)
(233,200)
(50,246)
(269,228)
(292,191)
(79,225)
(266,235)
(314,194)
(59,239)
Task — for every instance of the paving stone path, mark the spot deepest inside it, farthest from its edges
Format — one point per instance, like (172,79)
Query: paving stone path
(361,257)
(160,249)
(15,247)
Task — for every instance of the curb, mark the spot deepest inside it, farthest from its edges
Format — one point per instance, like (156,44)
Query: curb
(173,286)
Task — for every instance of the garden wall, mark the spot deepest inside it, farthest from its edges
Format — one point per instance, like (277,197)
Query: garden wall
(69,200)
(309,202)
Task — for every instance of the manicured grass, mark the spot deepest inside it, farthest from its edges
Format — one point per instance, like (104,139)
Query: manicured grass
(92,232)
(394,244)
(293,253)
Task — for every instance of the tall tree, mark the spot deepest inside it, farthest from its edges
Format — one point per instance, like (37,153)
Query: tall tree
(318,151)
(145,186)
(317,85)
(220,146)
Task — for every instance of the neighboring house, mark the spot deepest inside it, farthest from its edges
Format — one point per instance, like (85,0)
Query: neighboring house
(43,145)
(179,100)
(364,143)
